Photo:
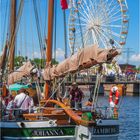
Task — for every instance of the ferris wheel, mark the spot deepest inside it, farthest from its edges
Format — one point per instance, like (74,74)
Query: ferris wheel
(101,22)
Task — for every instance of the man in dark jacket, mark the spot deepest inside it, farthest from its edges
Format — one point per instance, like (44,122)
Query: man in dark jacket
(76,96)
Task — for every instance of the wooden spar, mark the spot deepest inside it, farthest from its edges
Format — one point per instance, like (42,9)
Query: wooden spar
(12,37)
(72,114)
(49,41)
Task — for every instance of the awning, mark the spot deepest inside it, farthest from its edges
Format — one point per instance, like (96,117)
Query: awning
(16,87)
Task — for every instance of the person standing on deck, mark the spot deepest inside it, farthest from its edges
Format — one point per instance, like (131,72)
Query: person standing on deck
(76,96)
(23,101)
(114,92)
(114,100)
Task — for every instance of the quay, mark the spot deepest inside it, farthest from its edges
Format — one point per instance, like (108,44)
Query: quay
(132,88)
(105,82)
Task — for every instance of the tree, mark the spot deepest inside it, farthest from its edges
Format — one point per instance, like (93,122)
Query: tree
(41,62)
(19,60)
(54,61)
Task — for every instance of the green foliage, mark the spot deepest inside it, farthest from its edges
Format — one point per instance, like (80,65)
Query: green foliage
(40,63)
(18,60)
(54,61)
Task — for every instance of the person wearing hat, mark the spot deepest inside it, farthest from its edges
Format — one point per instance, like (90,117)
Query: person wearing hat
(76,96)
(23,101)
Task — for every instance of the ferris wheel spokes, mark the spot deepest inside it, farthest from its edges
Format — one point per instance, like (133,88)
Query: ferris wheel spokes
(98,22)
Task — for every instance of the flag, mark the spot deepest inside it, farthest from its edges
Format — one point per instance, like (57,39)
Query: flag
(64,4)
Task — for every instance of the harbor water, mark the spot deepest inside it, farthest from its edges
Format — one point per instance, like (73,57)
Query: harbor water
(128,116)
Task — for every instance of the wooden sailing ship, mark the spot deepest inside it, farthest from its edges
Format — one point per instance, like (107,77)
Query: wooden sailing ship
(50,122)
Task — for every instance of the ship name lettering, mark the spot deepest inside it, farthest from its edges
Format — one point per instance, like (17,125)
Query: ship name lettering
(104,130)
(47,132)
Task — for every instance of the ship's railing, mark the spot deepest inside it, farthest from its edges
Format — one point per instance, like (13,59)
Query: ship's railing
(98,112)
(106,112)
(16,113)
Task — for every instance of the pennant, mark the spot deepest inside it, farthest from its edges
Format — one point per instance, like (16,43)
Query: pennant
(64,4)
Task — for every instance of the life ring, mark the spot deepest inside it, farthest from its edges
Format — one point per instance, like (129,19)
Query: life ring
(116,93)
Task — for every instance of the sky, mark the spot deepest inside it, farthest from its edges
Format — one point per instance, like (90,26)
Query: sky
(133,35)
(27,37)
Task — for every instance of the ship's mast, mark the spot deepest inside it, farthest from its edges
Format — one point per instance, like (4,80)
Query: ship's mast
(12,32)
(49,41)
(3,62)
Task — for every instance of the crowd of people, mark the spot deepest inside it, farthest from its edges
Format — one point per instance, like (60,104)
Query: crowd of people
(15,106)
(24,103)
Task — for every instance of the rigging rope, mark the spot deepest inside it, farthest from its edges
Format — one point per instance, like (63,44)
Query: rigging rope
(96,88)
(63,89)
(20,41)
(38,30)
(41,32)
(40,18)
(56,89)
(25,41)
(38,91)
(4,28)
(13,36)
(17,25)
(96,99)
(31,15)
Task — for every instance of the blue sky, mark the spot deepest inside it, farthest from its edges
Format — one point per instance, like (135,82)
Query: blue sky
(27,38)
(133,35)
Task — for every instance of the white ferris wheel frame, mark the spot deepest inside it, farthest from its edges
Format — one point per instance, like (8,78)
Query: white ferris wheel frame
(98,22)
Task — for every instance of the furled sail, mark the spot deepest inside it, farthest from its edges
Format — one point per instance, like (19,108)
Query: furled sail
(85,58)
(20,73)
